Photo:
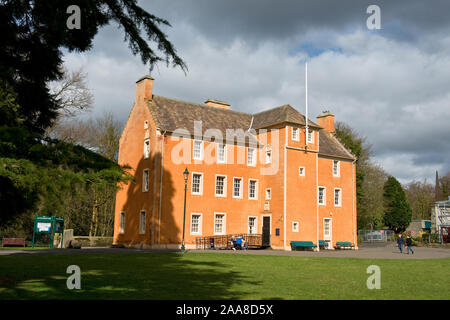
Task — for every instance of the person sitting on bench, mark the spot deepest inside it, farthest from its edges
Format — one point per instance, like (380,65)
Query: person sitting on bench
(238,244)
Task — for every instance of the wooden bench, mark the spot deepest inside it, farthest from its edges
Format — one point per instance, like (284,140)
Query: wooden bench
(302,244)
(344,245)
(13,242)
(322,243)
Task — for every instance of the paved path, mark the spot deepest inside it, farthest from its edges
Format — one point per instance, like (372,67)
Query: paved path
(365,252)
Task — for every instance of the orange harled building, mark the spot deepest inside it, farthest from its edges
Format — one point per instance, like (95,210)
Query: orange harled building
(256,174)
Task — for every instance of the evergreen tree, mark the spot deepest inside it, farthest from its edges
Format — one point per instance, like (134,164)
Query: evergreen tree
(398,212)
(34,33)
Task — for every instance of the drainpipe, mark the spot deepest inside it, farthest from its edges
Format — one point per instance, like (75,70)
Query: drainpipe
(160,187)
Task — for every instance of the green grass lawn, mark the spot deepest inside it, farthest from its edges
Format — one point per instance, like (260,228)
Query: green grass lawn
(218,276)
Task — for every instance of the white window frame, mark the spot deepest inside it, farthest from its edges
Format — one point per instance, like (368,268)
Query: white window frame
(256,189)
(338,168)
(142,226)
(301,173)
(201,184)
(201,149)
(224,160)
(145,186)
(340,197)
(224,223)
(122,222)
(270,194)
(293,226)
(253,163)
(145,124)
(200,222)
(224,195)
(255,227)
(310,136)
(240,189)
(296,136)
(146,149)
(324,197)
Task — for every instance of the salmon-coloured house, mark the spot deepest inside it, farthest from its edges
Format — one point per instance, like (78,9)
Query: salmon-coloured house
(248,173)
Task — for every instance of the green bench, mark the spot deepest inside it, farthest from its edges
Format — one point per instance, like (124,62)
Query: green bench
(344,245)
(302,244)
(322,243)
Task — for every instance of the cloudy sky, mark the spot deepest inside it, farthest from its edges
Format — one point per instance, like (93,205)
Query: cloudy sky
(391,85)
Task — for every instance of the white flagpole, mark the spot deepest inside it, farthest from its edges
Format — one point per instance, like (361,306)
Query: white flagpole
(306,101)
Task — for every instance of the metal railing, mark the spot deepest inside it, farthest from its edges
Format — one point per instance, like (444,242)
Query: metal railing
(224,241)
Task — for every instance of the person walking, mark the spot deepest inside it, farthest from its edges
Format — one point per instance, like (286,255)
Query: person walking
(409,245)
(400,243)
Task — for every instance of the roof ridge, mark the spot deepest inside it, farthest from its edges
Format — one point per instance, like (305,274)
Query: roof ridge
(203,105)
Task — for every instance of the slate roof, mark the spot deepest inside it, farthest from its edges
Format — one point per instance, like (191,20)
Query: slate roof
(171,114)
(279,115)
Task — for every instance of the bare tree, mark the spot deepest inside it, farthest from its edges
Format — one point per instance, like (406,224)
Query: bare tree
(72,93)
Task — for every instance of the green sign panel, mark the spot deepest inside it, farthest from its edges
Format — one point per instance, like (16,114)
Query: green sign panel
(50,225)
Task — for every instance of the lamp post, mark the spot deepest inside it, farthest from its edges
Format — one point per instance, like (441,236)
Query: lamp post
(186,177)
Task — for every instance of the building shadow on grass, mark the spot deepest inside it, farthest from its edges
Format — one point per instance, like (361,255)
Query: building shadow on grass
(145,275)
(161,276)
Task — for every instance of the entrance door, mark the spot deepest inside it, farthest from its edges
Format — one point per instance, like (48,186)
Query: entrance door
(327,231)
(266,232)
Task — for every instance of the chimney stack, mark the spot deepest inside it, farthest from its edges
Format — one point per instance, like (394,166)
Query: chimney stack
(326,121)
(144,88)
(217,104)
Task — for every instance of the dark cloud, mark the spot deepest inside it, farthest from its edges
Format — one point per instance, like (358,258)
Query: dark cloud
(391,85)
(268,20)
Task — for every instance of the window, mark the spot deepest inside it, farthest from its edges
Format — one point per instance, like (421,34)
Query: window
(336,168)
(221,153)
(253,189)
(326,228)
(146,124)
(301,171)
(268,194)
(252,225)
(122,223)
(295,135)
(221,186)
(337,197)
(142,222)
(268,156)
(237,188)
(146,148)
(310,136)
(219,223)
(198,150)
(197,183)
(251,156)
(295,226)
(196,223)
(145,180)
(322,196)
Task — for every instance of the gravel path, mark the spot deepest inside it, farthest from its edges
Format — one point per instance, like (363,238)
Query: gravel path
(377,251)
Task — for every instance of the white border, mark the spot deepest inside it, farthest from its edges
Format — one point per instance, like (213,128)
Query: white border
(224,225)
(200,223)
(201,183)
(224,195)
